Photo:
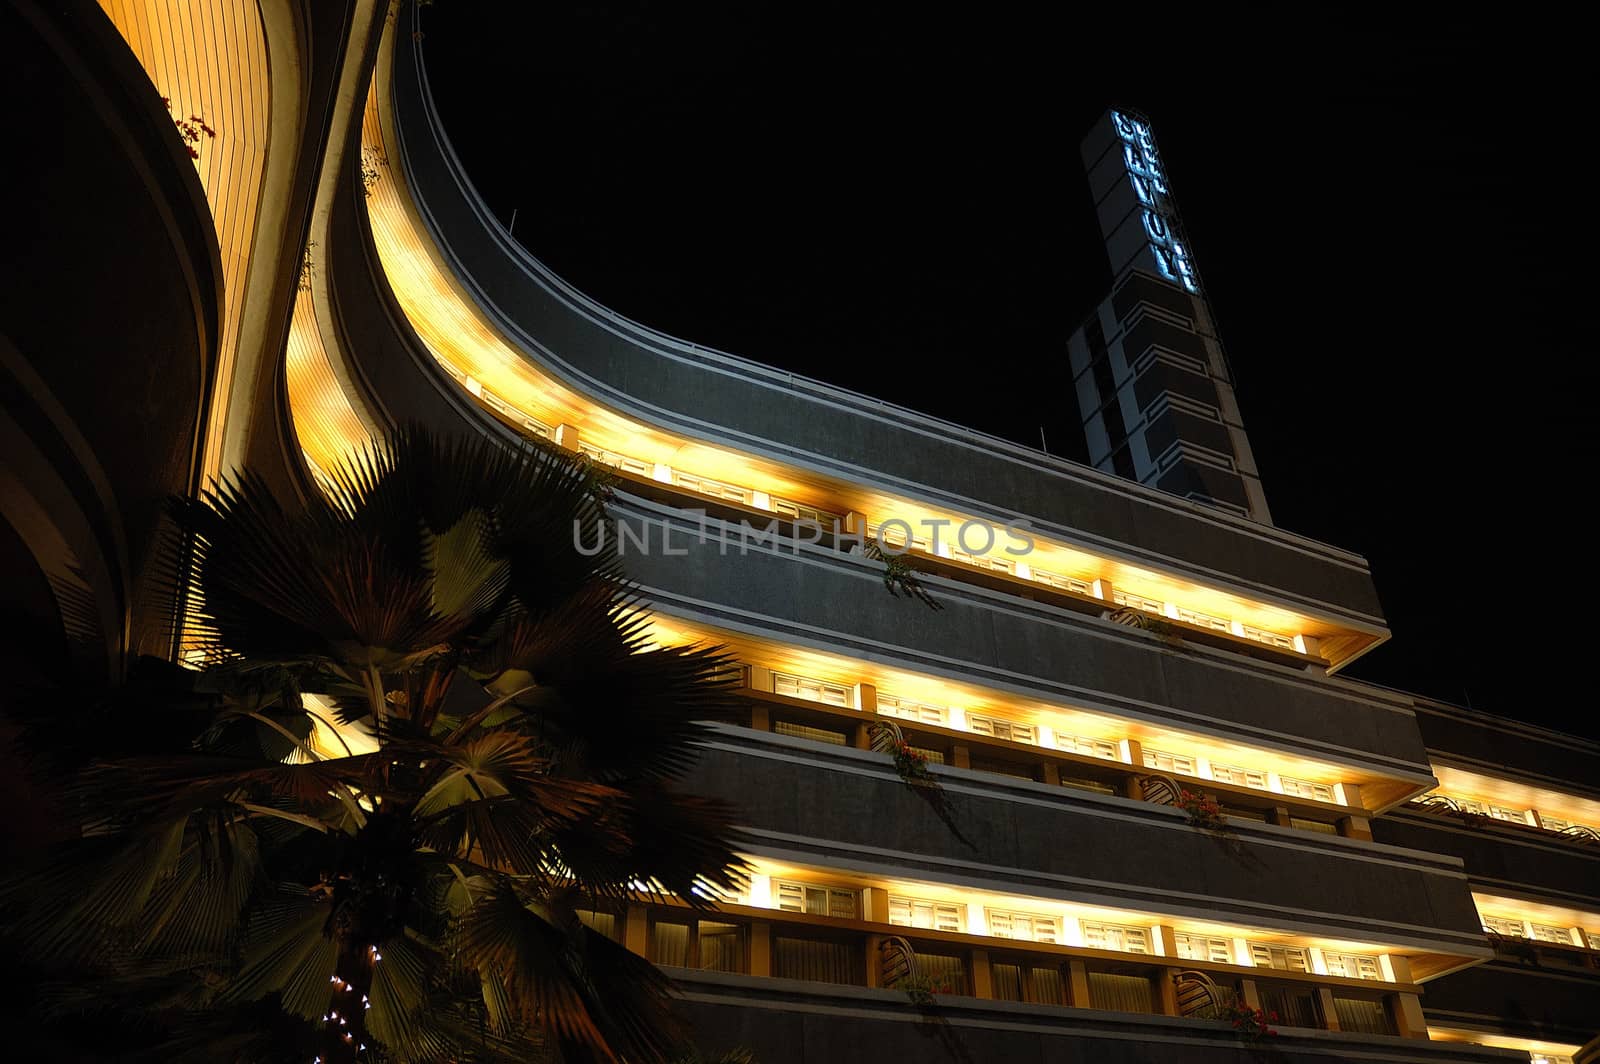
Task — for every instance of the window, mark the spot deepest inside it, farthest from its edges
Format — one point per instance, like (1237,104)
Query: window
(1552,823)
(1514,816)
(1468,805)
(1169,762)
(1203,620)
(1366,1015)
(705,944)
(1549,933)
(1296,1006)
(1239,777)
(616,461)
(1123,598)
(1203,948)
(721,947)
(818,900)
(895,536)
(1320,792)
(1065,583)
(811,690)
(1592,938)
(1504,925)
(1081,744)
(1272,639)
(1313,825)
(905,709)
(714,488)
(1283,958)
(1120,993)
(935,915)
(806,731)
(983,561)
(1352,965)
(942,968)
(1017,982)
(818,960)
(1119,937)
(1032,927)
(1000,728)
(797,511)
(601,922)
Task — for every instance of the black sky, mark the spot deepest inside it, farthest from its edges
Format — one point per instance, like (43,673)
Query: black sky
(1392,221)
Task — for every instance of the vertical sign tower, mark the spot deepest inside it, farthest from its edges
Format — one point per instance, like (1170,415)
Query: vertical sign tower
(1153,386)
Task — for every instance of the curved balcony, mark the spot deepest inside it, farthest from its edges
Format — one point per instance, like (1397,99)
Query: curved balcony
(838,807)
(817,596)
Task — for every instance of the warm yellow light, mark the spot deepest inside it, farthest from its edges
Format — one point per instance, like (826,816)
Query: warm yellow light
(961,699)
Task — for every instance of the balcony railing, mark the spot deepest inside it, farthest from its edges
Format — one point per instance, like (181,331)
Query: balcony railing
(760,942)
(841,726)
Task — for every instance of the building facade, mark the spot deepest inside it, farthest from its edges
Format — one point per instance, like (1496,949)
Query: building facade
(1157,799)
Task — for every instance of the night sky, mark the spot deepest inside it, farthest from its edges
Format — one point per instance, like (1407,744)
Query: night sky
(1387,218)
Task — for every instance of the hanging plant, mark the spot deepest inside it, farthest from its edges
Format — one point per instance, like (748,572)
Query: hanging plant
(912,767)
(899,573)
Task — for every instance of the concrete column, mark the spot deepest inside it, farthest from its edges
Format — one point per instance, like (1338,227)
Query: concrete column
(1249,993)
(567,436)
(1278,815)
(1355,827)
(1052,774)
(1078,984)
(862,737)
(867,697)
(1406,1009)
(760,719)
(636,930)
(1351,793)
(875,905)
(761,678)
(960,756)
(1167,991)
(1330,1015)
(760,948)
(982,978)
(874,969)
(1131,787)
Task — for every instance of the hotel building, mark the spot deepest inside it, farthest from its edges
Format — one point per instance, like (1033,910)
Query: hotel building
(1397,879)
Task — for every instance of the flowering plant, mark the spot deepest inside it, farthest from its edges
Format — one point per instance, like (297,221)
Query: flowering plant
(191,129)
(1204,812)
(1252,1023)
(911,764)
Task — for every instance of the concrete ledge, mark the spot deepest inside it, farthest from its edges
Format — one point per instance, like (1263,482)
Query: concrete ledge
(788,1022)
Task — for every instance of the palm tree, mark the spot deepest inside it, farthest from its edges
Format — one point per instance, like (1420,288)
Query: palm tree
(267,887)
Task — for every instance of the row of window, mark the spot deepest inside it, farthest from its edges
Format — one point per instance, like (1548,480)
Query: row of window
(995,727)
(844,904)
(1512,815)
(1515,927)
(812,956)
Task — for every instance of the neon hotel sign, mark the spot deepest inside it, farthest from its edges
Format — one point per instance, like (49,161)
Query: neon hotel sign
(1150,185)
